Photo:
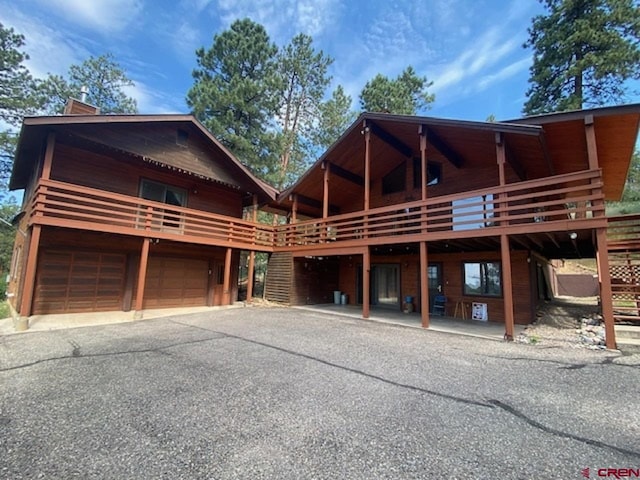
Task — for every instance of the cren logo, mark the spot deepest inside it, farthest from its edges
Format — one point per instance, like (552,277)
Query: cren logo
(585,472)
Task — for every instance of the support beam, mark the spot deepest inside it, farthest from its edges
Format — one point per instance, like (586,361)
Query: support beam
(606,293)
(422,132)
(366,281)
(250,270)
(226,285)
(592,150)
(48,156)
(312,202)
(28,287)
(400,147)
(338,171)
(142,276)
(424,285)
(443,147)
(367,165)
(325,191)
(294,209)
(507,288)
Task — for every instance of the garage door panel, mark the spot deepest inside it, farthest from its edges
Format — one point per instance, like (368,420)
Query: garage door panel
(175,282)
(69,282)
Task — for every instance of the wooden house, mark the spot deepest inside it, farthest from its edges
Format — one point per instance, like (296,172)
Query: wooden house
(459,218)
(128,212)
(404,211)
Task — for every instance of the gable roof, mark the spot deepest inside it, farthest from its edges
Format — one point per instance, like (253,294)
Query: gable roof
(110,132)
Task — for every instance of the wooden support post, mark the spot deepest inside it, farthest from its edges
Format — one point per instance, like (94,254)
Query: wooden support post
(367,166)
(507,287)
(422,131)
(29,284)
(250,269)
(325,190)
(48,156)
(252,254)
(606,293)
(366,281)
(226,286)
(142,276)
(501,157)
(294,209)
(424,285)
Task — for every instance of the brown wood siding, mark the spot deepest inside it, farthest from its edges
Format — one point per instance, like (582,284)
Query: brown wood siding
(314,280)
(176,282)
(452,280)
(70,281)
(159,142)
(121,175)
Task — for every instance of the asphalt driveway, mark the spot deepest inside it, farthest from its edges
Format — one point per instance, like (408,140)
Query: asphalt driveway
(283,393)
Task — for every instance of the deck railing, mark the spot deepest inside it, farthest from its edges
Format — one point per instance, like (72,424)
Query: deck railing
(553,203)
(623,244)
(66,205)
(556,203)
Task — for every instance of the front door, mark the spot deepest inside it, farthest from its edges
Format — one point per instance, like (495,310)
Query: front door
(385,285)
(434,278)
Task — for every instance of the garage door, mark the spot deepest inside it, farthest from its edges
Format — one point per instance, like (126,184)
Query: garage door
(69,281)
(176,282)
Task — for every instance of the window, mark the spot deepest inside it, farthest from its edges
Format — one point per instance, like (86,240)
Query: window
(434,173)
(159,192)
(182,137)
(396,180)
(482,278)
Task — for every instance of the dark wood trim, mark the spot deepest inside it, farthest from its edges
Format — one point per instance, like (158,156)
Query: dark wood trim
(29,285)
(447,152)
(226,286)
(338,171)
(606,292)
(313,203)
(393,142)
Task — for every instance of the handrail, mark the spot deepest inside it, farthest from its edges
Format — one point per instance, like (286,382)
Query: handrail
(63,204)
(561,198)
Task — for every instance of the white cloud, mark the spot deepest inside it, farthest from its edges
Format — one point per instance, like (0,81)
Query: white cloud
(504,73)
(106,16)
(152,101)
(282,18)
(51,50)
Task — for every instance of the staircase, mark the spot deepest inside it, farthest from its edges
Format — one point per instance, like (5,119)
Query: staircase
(623,245)
(279,277)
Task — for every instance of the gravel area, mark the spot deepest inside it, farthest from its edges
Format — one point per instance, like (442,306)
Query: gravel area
(283,393)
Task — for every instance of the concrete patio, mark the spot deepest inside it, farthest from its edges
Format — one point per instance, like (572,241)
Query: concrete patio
(471,328)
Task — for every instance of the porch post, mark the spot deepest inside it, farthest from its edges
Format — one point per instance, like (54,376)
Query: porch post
(252,254)
(602,252)
(507,287)
(29,284)
(366,281)
(606,294)
(367,165)
(422,131)
(325,190)
(424,286)
(142,276)
(294,209)
(226,286)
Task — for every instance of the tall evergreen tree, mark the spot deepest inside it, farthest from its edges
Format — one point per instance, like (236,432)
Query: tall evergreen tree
(303,80)
(235,94)
(335,116)
(405,95)
(584,51)
(105,80)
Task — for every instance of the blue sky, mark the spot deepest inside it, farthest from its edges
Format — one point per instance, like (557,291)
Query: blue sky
(471,49)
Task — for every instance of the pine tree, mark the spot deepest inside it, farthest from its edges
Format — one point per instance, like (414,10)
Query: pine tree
(584,51)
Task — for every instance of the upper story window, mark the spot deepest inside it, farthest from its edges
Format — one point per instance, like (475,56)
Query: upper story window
(396,180)
(160,192)
(434,173)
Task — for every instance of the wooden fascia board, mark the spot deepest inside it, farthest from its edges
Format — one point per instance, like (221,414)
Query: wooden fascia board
(443,147)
